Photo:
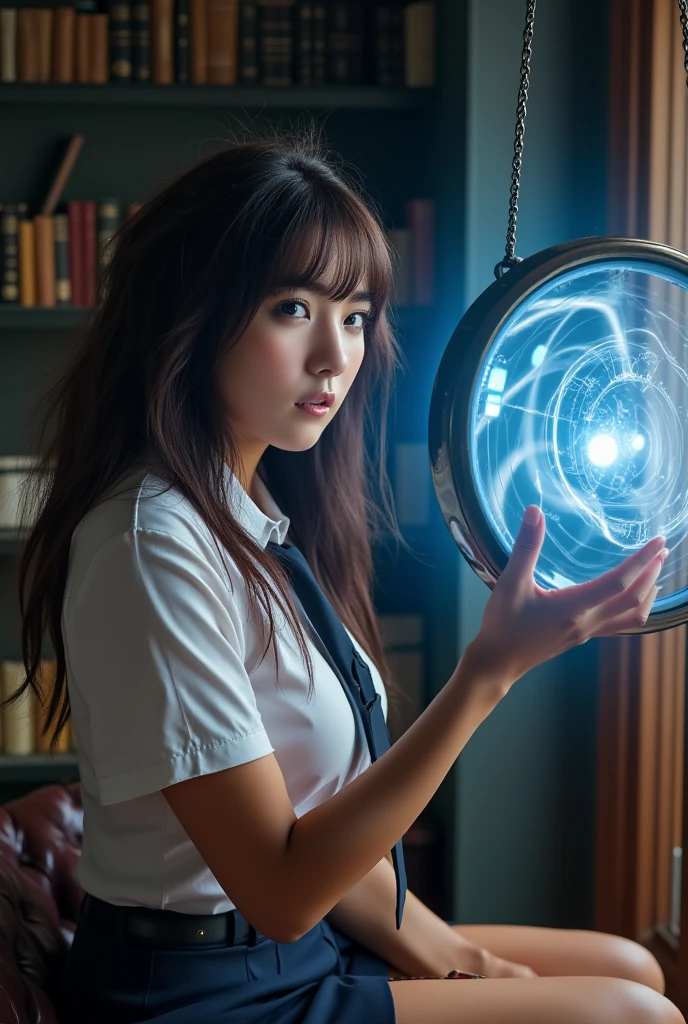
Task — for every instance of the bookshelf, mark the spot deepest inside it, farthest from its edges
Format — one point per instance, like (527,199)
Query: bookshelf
(404,143)
(342,97)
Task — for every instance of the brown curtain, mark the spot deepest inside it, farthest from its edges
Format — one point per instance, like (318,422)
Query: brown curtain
(641,678)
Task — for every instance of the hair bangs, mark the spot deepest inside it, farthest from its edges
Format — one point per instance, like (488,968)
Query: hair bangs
(337,246)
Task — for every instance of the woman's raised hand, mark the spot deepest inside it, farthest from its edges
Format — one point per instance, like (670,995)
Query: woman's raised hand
(524,625)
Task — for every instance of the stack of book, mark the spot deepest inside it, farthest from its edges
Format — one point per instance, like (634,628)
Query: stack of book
(22,721)
(221,42)
(53,256)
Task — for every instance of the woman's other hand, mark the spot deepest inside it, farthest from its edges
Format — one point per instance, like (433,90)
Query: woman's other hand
(524,625)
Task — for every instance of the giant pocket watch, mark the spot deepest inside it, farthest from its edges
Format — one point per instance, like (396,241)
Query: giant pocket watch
(565,385)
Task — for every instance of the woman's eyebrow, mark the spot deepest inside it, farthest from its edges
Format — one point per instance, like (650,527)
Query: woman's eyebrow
(316,288)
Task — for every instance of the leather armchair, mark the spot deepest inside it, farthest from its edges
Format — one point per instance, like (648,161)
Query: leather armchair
(41,835)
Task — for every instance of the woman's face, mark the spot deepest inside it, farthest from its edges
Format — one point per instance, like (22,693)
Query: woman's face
(299,343)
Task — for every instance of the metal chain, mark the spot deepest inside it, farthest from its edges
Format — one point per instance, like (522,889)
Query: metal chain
(683,14)
(510,259)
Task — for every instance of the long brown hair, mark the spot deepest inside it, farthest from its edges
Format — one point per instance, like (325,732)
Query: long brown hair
(187,274)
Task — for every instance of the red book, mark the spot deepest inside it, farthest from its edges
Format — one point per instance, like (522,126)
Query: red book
(75,220)
(420,217)
(90,250)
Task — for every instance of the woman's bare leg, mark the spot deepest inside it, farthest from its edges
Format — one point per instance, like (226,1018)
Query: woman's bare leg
(531,1001)
(559,952)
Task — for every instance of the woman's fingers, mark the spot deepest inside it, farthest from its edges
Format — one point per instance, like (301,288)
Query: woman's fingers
(629,620)
(617,580)
(526,549)
(634,595)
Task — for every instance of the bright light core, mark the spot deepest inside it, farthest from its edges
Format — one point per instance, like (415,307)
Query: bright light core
(603,450)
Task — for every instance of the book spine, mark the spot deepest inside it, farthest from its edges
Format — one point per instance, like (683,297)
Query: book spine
(120,40)
(8,44)
(319,72)
(162,41)
(276,30)
(181,17)
(248,42)
(419,44)
(76,256)
(109,216)
(82,61)
(140,40)
(27,263)
(223,41)
(198,32)
(64,44)
(99,25)
(27,46)
(420,216)
(43,26)
(90,250)
(9,287)
(345,43)
(63,295)
(389,45)
(304,43)
(45,259)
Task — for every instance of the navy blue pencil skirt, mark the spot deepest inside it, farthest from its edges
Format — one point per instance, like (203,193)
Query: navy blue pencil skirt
(322,978)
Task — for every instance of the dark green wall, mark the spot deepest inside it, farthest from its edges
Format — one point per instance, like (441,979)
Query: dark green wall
(526,781)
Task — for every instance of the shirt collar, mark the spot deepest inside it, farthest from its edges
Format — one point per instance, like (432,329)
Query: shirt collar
(263,527)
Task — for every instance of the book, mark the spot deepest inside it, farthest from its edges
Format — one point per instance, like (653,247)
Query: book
(27,263)
(64,45)
(119,12)
(181,53)
(8,44)
(198,41)
(419,43)
(276,41)
(162,41)
(75,217)
(223,41)
(63,294)
(248,42)
(140,40)
(9,253)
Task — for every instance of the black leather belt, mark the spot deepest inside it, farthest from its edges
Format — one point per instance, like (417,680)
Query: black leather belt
(168,929)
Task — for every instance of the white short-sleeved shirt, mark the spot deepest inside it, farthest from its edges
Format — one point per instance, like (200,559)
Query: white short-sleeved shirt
(165,684)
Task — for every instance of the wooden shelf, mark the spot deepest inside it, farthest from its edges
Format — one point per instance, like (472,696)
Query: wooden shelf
(345,97)
(41,318)
(43,768)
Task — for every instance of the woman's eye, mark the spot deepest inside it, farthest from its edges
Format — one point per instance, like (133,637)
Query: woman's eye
(366,318)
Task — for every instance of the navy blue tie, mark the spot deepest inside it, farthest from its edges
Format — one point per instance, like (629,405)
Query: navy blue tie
(364,698)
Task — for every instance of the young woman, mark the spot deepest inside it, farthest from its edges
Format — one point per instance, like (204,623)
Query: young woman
(237,838)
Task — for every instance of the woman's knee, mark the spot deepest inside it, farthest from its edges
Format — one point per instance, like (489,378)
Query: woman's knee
(634,962)
(637,1003)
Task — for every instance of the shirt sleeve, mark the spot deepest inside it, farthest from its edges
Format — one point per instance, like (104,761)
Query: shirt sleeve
(155,648)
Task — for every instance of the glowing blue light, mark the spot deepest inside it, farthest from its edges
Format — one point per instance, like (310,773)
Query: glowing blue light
(603,450)
(497,379)
(538,355)
(593,426)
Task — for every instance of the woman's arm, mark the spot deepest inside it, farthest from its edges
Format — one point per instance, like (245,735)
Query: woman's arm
(424,945)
